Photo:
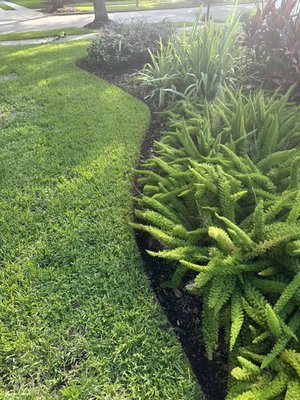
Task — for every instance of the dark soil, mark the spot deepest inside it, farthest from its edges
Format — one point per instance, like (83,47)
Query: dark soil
(183,310)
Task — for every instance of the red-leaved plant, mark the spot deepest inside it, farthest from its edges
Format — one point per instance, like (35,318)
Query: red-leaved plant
(272,42)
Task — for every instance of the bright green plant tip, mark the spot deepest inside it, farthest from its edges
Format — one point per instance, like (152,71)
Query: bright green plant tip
(78,317)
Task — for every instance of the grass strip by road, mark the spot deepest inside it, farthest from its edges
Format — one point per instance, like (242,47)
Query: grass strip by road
(116,6)
(44,33)
(121,5)
(78,317)
(68,31)
(126,5)
(145,5)
(5,7)
(33,4)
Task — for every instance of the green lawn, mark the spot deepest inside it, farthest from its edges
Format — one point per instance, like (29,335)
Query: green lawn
(111,5)
(78,318)
(35,4)
(44,34)
(130,5)
(5,7)
(124,5)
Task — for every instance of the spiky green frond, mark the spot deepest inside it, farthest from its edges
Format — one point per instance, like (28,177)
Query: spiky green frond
(210,329)
(289,291)
(258,222)
(155,218)
(222,238)
(293,390)
(237,318)
(295,211)
(275,388)
(292,358)
(240,236)
(192,253)
(161,236)
(150,202)
(273,321)
(220,291)
(249,365)
(281,343)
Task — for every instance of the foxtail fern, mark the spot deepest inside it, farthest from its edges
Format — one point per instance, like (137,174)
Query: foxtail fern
(223,200)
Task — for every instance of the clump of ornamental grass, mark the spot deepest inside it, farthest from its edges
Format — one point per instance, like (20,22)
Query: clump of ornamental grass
(192,64)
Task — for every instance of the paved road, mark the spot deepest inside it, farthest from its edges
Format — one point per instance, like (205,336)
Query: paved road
(24,20)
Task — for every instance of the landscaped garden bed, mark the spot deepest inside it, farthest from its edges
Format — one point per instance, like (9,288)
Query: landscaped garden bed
(216,213)
(220,201)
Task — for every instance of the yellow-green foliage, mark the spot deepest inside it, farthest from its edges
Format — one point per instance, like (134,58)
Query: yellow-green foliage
(224,201)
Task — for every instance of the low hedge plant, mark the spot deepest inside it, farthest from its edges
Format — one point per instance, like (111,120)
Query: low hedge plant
(125,45)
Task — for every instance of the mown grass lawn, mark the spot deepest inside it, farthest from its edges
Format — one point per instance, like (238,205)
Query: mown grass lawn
(111,5)
(78,319)
(44,33)
(131,5)
(5,7)
(125,5)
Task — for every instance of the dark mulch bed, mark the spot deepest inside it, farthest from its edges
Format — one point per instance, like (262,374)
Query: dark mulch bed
(182,309)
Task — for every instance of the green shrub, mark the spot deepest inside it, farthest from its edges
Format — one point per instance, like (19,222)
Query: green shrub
(193,63)
(222,198)
(126,45)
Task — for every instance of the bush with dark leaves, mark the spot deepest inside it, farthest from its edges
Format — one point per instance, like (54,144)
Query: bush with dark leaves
(272,45)
(126,45)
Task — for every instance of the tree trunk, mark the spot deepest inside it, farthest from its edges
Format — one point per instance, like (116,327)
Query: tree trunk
(208,3)
(100,12)
(56,4)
